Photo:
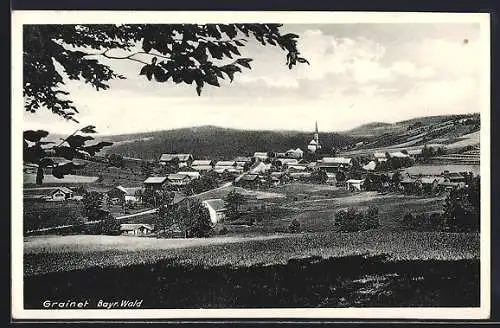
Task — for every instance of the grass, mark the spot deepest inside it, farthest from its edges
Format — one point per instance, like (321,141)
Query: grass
(349,281)
(436,169)
(40,214)
(52,254)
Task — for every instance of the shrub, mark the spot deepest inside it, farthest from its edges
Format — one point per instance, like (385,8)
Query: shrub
(223,231)
(354,220)
(294,226)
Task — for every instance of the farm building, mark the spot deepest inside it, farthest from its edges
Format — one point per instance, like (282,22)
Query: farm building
(411,185)
(177,199)
(262,156)
(224,166)
(278,177)
(260,168)
(248,180)
(398,154)
(48,194)
(295,153)
(216,209)
(355,184)
(191,174)
(202,165)
(296,168)
(284,162)
(136,229)
(176,179)
(333,164)
(241,161)
(415,153)
(155,183)
(300,175)
(429,184)
(453,176)
(124,194)
(380,157)
(182,159)
(370,166)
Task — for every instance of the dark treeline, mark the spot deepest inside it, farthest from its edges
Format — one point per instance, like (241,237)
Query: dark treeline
(218,143)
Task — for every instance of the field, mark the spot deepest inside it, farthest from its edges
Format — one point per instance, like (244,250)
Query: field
(262,266)
(37,215)
(305,270)
(436,169)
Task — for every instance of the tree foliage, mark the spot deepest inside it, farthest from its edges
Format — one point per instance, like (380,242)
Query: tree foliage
(45,154)
(177,53)
(233,202)
(92,203)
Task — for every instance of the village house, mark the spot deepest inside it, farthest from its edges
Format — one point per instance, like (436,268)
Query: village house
(176,179)
(278,178)
(296,168)
(284,162)
(429,184)
(300,176)
(411,185)
(355,184)
(242,162)
(53,194)
(224,166)
(136,229)
(260,168)
(380,157)
(453,176)
(370,166)
(248,180)
(123,194)
(193,175)
(294,153)
(398,154)
(184,160)
(155,183)
(216,209)
(262,156)
(415,153)
(176,200)
(333,164)
(202,165)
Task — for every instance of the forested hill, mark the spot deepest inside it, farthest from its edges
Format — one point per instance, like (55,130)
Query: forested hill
(216,143)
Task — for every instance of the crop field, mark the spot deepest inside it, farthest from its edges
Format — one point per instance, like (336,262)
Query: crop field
(52,254)
(305,270)
(30,179)
(37,215)
(436,169)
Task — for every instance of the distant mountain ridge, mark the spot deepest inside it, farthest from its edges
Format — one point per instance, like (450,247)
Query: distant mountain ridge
(215,142)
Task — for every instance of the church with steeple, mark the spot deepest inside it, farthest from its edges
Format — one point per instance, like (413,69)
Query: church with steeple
(314,144)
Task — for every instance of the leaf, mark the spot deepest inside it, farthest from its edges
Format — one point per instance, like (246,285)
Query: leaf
(66,152)
(145,69)
(88,129)
(149,74)
(302,60)
(239,43)
(78,141)
(39,175)
(199,86)
(146,45)
(93,149)
(211,79)
(290,36)
(244,62)
(44,162)
(35,136)
(159,74)
(154,60)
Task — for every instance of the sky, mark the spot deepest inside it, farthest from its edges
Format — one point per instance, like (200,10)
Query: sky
(358,73)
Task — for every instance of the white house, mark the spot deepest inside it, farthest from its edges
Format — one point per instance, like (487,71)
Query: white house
(191,174)
(183,159)
(223,166)
(48,193)
(260,156)
(176,179)
(381,157)
(216,209)
(354,184)
(136,229)
(295,153)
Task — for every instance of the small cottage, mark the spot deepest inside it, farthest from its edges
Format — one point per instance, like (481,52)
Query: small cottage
(355,184)
(155,183)
(182,160)
(216,209)
(136,229)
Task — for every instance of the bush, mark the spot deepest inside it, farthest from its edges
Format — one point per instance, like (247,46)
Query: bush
(294,226)
(423,222)
(223,231)
(352,220)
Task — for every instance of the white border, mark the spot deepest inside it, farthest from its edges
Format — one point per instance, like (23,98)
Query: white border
(43,17)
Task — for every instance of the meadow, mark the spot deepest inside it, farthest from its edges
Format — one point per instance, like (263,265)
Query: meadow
(300,270)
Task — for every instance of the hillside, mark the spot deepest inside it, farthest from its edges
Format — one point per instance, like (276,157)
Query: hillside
(377,129)
(216,143)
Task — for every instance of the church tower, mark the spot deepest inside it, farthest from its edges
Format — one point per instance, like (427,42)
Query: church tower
(314,144)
